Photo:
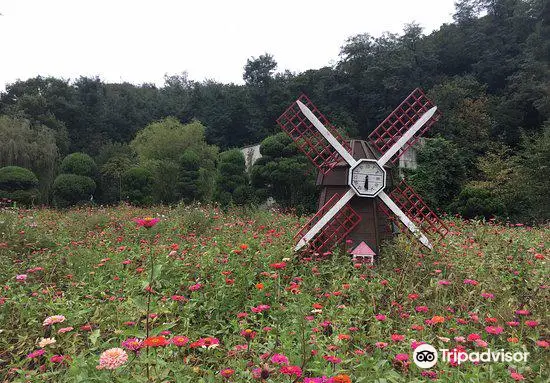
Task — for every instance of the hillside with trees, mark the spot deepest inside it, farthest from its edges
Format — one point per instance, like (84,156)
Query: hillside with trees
(488,72)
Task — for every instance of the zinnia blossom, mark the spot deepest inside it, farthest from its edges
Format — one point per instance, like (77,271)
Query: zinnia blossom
(179,340)
(36,353)
(155,341)
(112,358)
(291,370)
(227,372)
(279,359)
(147,222)
(340,379)
(46,342)
(132,344)
(494,330)
(53,319)
(208,342)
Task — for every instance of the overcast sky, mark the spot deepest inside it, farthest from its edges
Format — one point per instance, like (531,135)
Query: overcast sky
(141,41)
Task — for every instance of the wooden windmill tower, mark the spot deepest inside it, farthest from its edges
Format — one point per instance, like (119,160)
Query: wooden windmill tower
(355,202)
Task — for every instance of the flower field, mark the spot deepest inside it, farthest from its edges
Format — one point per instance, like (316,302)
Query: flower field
(200,295)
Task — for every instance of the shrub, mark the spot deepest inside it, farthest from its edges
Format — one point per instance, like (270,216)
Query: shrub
(70,189)
(80,164)
(137,186)
(18,184)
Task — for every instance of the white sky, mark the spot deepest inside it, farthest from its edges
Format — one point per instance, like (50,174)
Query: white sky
(141,41)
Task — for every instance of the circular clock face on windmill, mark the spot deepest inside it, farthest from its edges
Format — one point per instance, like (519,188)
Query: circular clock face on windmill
(367,178)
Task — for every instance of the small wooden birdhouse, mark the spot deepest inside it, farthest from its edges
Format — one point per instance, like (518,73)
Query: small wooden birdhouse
(363,254)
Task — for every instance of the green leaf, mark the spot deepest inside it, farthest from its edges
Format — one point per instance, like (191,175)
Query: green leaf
(94,336)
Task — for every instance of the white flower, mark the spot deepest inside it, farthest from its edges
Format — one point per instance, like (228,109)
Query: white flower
(46,342)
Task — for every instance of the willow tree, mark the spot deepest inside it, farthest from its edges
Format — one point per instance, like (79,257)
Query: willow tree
(31,147)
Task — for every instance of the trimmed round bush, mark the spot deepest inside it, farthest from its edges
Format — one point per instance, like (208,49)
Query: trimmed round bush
(137,186)
(18,184)
(80,164)
(71,189)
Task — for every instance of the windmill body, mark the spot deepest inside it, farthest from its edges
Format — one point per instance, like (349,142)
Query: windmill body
(357,189)
(374,226)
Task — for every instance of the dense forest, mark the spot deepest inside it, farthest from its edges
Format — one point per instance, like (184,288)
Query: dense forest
(68,141)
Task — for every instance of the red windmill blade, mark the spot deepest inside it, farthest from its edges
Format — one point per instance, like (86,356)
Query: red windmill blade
(366,177)
(400,120)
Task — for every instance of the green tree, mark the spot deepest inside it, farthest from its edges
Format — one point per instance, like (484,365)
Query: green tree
(189,177)
(80,164)
(284,174)
(137,186)
(160,146)
(232,184)
(72,189)
(18,184)
(440,172)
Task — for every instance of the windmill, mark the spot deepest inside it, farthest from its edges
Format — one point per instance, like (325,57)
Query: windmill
(363,169)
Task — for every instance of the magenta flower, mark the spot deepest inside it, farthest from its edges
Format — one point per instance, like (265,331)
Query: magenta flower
(380,317)
(36,353)
(279,359)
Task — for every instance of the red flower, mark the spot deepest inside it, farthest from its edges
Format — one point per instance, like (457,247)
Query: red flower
(397,337)
(155,341)
(278,265)
(227,372)
(291,370)
(248,334)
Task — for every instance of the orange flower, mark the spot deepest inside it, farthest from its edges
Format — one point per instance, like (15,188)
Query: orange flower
(155,341)
(438,319)
(341,379)
(513,340)
(259,286)
(244,246)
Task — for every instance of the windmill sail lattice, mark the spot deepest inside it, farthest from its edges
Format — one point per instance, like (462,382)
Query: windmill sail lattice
(309,140)
(400,120)
(326,149)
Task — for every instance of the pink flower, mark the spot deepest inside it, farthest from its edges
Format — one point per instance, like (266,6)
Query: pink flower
(112,359)
(380,317)
(279,359)
(147,222)
(523,312)
(21,277)
(471,282)
(516,376)
(513,324)
(397,337)
(543,343)
(179,340)
(195,287)
(473,337)
(402,357)
(260,308)
(487,295)
(53,319)
(132,344)
(36,353)
(415,344)
(495,330)
(480,343)
(444,282)
(531,323)
(57,359)
(381,345)
(65,329)
(421,309)
(332,359)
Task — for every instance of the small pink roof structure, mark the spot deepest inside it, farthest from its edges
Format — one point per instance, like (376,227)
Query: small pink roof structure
(363,249)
